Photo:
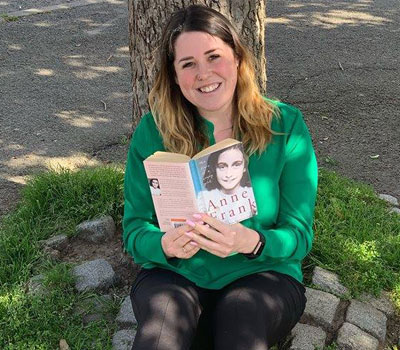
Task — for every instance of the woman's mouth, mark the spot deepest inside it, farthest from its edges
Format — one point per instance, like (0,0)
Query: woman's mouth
(209,88)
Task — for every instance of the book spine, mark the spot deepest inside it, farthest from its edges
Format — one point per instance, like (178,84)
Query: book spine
(195,176)
(197,183)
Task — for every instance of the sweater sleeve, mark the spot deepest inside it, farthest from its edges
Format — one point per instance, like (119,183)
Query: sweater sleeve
(291,237)
(141,235)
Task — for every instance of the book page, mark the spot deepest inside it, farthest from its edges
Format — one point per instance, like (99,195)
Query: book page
(172,192)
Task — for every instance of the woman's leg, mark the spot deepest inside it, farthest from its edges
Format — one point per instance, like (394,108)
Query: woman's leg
(167,307)
(256,311)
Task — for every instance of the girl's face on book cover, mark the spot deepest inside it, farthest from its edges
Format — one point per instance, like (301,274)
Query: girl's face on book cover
(230,170)
(206,72)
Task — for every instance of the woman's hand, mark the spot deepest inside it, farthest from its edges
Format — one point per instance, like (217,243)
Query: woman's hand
(175,243)
(219,238)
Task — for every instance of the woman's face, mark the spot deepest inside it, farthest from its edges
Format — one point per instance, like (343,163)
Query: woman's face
(206,72)
(230,170)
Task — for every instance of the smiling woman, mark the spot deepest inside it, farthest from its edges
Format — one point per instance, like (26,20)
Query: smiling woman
(206,72)
(243,280)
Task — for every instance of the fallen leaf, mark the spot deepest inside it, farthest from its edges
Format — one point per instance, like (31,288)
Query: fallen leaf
(375,156)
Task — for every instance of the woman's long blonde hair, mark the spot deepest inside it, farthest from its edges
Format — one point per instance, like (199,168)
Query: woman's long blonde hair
(176,118)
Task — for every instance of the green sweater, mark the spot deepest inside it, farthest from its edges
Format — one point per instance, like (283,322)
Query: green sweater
(284,179)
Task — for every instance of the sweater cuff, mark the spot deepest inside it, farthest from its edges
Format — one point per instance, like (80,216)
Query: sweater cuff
(150,248)
(279,243)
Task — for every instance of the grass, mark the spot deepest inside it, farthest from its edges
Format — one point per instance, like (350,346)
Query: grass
(52,203)
(8,18)
(355,237)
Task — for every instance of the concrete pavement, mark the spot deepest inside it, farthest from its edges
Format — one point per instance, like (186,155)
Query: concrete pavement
(64,89)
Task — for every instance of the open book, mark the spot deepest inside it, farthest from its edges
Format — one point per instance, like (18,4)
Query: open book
(215,181)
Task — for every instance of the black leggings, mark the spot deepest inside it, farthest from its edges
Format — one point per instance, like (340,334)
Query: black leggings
(252,313)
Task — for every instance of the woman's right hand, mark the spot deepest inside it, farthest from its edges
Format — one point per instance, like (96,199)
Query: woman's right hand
(176,244)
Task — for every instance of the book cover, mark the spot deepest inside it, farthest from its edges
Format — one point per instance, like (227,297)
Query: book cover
(215,181)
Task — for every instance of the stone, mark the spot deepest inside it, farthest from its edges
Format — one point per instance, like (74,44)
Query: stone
(95,308)
(123,340)
(382,303)
(321,306)
(367,318)
(394,210)
(59,242)
(390,199)
(97,231)
(307,337)
(53,254)
(95,275)
(36,287)
(126,318)
(64,345)
(328,282)
(351,337)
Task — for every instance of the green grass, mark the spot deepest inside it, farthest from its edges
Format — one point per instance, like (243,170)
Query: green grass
(52,203)
(355,237)
(8,18)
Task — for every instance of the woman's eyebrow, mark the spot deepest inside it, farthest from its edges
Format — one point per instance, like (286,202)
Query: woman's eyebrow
(191,57)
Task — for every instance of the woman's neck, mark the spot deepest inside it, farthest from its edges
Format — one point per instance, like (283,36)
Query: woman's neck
(222,120)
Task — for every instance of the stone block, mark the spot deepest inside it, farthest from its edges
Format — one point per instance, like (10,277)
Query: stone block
(351,337)
(307,337)
(382,303)
(97,231)
(367,318)
(390,199)
(95,275)
(321,307)
(126,318)
(123,340)
(36,287)
(59,242)
(94,309)
(394,210)
(329,282)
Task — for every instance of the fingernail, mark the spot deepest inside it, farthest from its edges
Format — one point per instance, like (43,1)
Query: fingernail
(190,223)
(197,216)
(189,234)
(193,243)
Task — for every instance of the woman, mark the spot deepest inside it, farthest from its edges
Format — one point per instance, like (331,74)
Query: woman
(242,281)
(228,195)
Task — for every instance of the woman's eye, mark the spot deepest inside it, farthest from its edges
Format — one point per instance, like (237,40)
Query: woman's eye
(221,166)
(237,164)
(186,65)
(213,57)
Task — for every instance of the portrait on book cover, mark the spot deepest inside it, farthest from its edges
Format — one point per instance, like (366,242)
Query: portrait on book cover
(226,191)
(155,187)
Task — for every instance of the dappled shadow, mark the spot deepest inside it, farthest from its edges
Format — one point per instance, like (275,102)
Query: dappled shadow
(65,89)
(338,62)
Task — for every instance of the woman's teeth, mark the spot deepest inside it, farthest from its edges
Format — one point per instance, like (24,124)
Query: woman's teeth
(209,88)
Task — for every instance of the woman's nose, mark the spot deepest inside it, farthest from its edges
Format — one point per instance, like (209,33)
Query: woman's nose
(203,72)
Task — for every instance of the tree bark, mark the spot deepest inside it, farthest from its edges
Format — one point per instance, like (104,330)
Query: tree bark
(147,19)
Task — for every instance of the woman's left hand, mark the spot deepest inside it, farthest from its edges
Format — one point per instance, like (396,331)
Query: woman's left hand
(219,238)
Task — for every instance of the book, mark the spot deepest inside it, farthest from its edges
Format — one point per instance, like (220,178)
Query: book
(215,181)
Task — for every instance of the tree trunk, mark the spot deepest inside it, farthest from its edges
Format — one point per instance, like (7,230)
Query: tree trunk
(147,19)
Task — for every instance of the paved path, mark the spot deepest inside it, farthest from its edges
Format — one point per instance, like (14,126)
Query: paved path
(64,88)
